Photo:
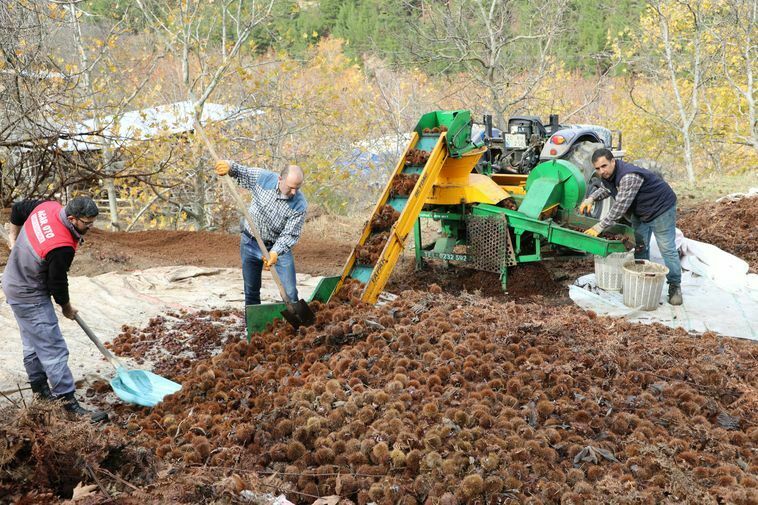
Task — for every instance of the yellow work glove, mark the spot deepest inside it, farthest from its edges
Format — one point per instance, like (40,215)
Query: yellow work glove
(592,232)
(272,257)
(586,206)
(222,167)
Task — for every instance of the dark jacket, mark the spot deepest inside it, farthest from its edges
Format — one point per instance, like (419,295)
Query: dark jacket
(654,197)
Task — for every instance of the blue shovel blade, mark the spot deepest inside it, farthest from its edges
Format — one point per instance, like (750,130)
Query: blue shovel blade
(141,387)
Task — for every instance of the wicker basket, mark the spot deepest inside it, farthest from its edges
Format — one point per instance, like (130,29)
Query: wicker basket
(643,284)
(609,270)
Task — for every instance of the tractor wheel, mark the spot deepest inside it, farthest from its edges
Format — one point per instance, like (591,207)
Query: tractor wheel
(581,156)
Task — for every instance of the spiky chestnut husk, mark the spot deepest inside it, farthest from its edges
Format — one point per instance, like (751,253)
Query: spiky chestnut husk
(490,462)
(192,456)
(431,460)
(163,450)
(356,458)
(413,460)
(471,486)
(324,456)
(295,450)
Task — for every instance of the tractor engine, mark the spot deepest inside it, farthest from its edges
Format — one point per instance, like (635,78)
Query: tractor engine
(517,149)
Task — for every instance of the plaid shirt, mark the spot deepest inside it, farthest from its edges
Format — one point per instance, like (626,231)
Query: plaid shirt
(629,185)
(279,219)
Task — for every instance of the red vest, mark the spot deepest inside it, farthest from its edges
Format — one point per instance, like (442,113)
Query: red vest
(46,231)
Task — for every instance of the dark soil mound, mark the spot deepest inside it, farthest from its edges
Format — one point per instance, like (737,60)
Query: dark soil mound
(729,225)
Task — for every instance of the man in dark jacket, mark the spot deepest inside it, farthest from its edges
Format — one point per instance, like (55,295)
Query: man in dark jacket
(652,203)
(44,238)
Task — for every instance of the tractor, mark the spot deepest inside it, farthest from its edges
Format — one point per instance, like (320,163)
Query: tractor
(528,142)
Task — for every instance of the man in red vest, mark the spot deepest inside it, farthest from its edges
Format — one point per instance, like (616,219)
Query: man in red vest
(44,238)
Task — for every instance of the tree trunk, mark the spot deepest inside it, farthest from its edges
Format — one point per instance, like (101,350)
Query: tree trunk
(198,205)
(110,187)
(105,153)
(688,156)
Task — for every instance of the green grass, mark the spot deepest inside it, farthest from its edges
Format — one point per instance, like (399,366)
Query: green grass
(709,188)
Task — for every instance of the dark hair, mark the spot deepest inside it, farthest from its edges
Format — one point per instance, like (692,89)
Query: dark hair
(602,153)
(82,206)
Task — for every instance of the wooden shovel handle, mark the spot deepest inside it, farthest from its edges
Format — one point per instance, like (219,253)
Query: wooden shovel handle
(113,360)
(232,190)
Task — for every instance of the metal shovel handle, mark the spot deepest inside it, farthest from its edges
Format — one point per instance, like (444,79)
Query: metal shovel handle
(232,190)
(111,358)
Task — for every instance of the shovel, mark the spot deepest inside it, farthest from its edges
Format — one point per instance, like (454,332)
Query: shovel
(133,386)
(296,313)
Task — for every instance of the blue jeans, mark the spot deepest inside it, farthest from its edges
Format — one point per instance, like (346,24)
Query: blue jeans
(252,267)
(45,350)
(664,227)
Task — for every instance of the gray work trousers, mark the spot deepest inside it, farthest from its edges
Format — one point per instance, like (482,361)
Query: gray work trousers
(45,350)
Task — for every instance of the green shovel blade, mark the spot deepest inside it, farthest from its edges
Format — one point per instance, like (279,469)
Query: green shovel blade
(258,316)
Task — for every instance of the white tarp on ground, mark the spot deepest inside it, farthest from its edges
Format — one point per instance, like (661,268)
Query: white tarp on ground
(719,294)
(108,301)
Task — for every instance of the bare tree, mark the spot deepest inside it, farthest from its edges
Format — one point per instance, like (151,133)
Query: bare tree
(193,35)
(87,67)
(50,84)
(496,44)
(400,99)
(673,51)
(737,37)
(37,90)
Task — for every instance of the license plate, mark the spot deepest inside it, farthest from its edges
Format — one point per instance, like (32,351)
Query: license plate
(515,140)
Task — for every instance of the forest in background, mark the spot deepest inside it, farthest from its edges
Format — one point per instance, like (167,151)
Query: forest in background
(321,83)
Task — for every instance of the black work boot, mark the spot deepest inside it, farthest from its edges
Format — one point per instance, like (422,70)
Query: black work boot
(71,405)
(41,389)
(675,294)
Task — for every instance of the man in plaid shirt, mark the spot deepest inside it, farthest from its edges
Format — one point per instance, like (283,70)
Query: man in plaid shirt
(652,203)
(278,211)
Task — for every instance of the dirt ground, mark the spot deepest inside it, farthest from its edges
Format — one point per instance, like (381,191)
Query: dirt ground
(729,225)
(328,240)
(454,393)
(323,249)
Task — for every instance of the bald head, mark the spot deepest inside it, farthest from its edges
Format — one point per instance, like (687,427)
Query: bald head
(290,179)
(291,169)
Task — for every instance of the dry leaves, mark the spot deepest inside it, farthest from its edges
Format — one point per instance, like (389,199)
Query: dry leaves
(81,491)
